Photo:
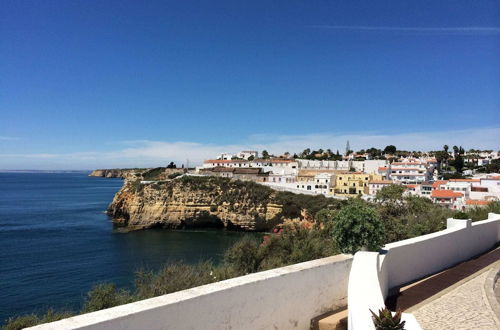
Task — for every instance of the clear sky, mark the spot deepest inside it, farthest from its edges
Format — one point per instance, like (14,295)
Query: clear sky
(87,84)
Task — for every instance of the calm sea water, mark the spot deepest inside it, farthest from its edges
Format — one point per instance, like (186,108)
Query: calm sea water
(56,242)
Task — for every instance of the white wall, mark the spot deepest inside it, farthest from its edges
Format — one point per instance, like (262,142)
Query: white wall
(411,259)
(282,298)
(399,263)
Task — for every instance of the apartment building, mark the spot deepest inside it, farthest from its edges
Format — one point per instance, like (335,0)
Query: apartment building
(353,183)
(411,172)
(374,186)
(449,199)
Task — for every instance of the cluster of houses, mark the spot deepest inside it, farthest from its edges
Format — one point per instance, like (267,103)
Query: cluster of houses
(351,178)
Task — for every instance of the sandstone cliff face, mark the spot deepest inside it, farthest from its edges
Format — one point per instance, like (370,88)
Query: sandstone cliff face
(114,173)
(196,202)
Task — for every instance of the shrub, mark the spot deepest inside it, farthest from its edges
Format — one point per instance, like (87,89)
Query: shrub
(242,257)
(104,296)
(153,174)
(357,225)
(411,216)
(481,213)
(325,218)
(174,175)
(171,278)
(460,215)
(21,322)
(392,192)
(295,244)
(31,320)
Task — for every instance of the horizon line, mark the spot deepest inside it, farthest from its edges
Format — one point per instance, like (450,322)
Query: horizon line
(456,29)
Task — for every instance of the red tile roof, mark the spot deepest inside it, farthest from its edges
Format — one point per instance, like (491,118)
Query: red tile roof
(445,194)
(382,168)
(436,184)
(476,202)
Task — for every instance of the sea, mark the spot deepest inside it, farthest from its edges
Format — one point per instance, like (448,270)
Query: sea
(56,242)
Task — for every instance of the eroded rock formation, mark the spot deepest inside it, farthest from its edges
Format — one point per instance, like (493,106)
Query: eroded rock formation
(196,202)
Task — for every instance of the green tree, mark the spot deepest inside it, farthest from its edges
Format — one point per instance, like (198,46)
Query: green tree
(391,193)
(325,218)
(356,226)
(171,165)
(265,154)
(390,149)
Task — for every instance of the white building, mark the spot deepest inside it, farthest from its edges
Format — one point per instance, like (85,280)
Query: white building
(225,156)
(245,154)
(374,186)
(409,172)
(487,189)
(365,166)
(449,199)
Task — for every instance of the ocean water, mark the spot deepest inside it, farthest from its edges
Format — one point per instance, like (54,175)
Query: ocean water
(56,242)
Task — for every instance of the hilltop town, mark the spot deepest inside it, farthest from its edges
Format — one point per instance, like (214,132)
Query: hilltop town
(454,178)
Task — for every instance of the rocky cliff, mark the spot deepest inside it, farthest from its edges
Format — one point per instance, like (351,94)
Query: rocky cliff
(114,173)
(199,202)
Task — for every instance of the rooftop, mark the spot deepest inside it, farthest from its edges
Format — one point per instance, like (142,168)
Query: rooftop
(445,194)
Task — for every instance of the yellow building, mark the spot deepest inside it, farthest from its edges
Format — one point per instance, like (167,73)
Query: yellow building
(352,184)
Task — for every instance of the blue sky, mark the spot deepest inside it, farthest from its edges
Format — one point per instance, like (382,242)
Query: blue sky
(87,84)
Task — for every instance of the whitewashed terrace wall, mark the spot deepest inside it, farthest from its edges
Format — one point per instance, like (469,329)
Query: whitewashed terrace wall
(399,263)
(282,298)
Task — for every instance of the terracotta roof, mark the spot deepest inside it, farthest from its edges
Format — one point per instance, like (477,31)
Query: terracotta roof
(381,182)
(412,185)
(438,183)
(445,194)
(476,202)
(382,168)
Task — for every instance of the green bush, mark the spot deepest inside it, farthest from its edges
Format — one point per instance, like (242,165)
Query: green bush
(174,175)
(481,213)
(356,226)
(31,320)
(325,218)
(171,278)
(21,322)
(104,296)
(296,244)
(243,257)
(153,174)
(411,216)
(460,215)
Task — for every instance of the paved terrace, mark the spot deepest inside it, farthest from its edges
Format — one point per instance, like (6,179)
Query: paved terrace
(455,298)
